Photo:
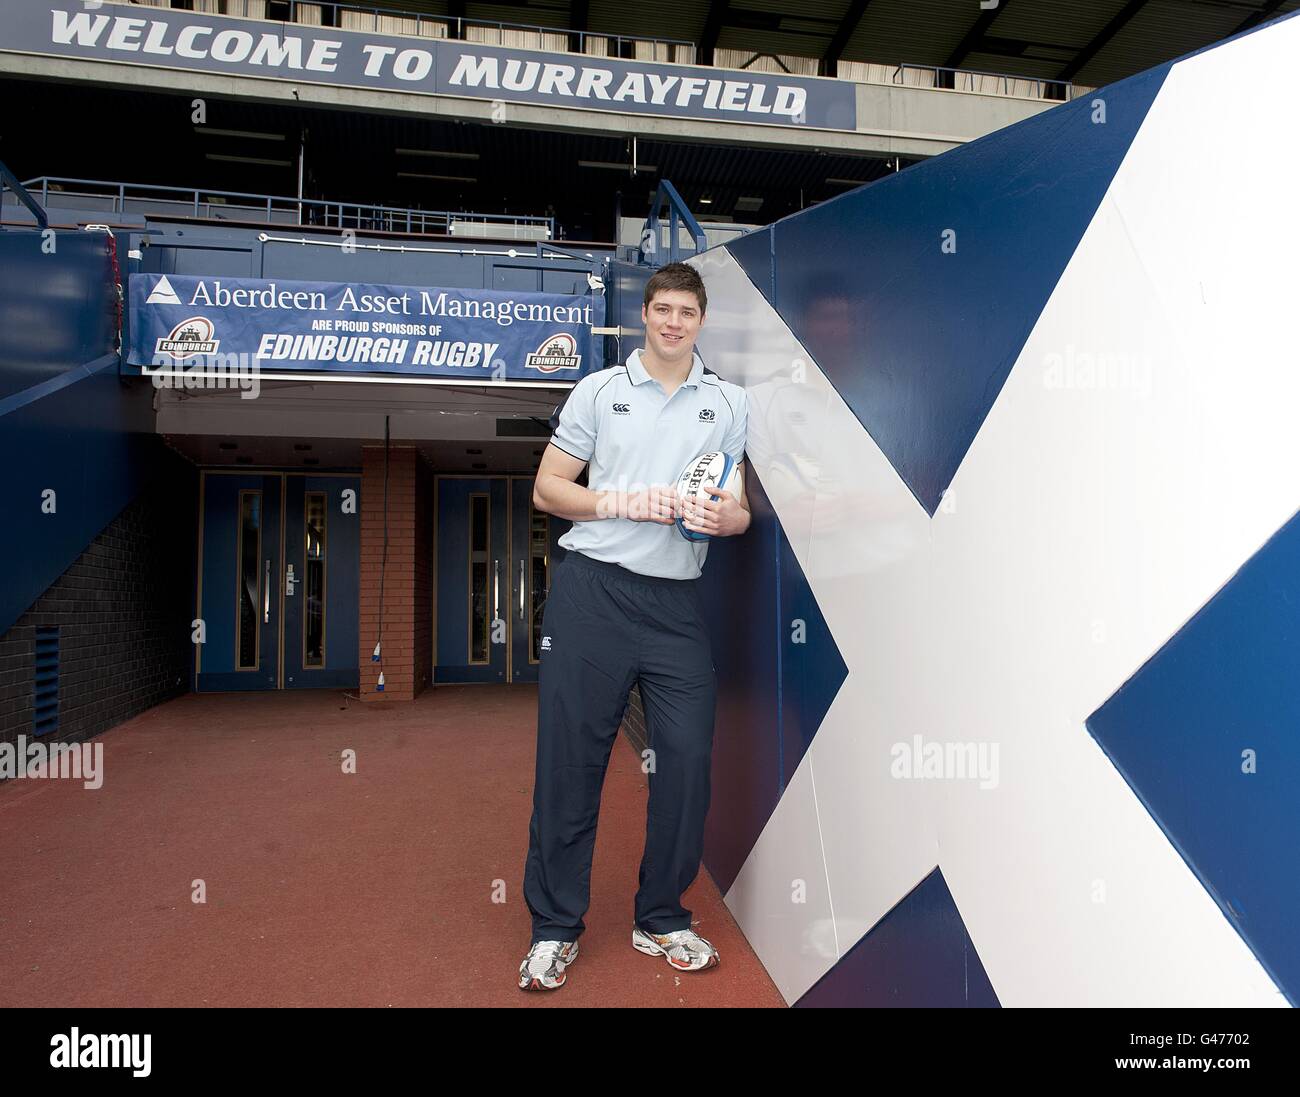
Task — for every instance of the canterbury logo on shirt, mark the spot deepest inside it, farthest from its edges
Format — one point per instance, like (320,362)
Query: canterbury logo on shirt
(622,409)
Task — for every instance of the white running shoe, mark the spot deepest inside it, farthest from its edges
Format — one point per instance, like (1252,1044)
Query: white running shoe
(684,949)
(543,967)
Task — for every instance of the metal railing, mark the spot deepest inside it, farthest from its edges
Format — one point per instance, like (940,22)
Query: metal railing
(679,215)
(121,198)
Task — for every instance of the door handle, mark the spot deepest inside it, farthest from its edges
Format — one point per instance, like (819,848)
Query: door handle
(266,595)
(496,590)
(521,590)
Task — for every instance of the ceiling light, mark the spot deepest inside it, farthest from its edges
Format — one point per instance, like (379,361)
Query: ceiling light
(249,160)
(212,131)
(615,167)
(443,178)
(438,152)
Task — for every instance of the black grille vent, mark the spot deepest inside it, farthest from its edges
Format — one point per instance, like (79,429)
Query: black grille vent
(45,682)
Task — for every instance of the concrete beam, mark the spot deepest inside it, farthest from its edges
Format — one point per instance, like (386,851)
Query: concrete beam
(892,121)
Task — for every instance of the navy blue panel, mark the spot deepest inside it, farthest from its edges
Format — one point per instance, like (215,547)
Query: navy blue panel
(919,342)
(1227,682)
(919,954)
(231,251)
(66,423)
(567,281)
(812,671)
(753,252)
(626,292)
(747,779)
(91,443)
(56,309)
(772,692)
(510,276)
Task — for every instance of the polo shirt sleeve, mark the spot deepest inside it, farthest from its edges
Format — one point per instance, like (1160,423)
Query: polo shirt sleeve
(734,443)
(576,432)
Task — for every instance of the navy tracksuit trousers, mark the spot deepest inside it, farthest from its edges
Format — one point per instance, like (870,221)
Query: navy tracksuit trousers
(603,629)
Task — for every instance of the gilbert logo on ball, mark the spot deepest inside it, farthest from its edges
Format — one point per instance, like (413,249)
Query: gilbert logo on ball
(714,468)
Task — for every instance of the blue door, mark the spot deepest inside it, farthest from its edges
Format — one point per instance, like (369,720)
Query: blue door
(472,550)
(279,576)
(322,573)
(494,556)
(533,535)
(239,595)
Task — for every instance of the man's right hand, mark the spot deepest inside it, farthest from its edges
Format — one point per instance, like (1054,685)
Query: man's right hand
(657,503)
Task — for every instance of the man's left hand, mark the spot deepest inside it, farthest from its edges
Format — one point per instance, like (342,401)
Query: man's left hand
(722,516)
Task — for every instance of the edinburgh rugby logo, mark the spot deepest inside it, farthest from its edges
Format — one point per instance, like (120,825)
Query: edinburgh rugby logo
(558,352)
(188,338)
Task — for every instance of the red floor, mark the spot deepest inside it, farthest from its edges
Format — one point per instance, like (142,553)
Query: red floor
(324,889)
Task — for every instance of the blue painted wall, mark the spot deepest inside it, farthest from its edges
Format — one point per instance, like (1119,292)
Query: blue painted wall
(778,671)
(625,289)
(915,294)
(1206,734)
(56,310)
(917,955)
(67,423)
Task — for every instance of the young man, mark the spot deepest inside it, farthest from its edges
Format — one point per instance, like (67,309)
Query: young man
(624,609)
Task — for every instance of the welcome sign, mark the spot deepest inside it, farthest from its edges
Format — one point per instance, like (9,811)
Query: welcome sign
(192,324)
(326,55)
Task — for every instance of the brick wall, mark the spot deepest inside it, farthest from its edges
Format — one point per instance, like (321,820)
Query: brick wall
(123,611)
(407,625)
(423,575)
(634,721)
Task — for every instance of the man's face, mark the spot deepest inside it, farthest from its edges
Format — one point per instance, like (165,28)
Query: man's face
(672,321)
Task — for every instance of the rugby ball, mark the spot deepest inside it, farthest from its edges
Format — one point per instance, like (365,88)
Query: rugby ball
(714,468)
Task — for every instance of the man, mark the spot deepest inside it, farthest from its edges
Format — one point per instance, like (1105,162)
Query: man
(624,608)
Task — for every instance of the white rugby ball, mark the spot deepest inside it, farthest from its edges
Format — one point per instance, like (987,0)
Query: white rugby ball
(714,468)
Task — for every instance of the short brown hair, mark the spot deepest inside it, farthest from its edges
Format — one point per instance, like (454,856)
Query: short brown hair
(677,276)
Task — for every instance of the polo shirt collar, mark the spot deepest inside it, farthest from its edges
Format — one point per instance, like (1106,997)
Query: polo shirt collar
(636,371)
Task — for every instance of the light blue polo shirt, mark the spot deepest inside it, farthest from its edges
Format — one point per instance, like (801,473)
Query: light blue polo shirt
(634,435)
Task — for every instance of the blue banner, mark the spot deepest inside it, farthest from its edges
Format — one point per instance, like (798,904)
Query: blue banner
(186,323)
